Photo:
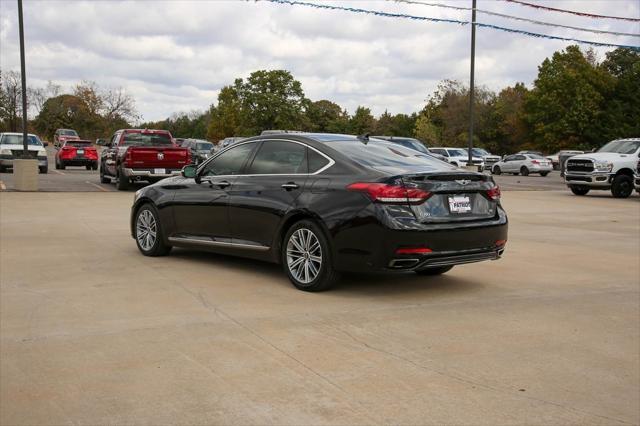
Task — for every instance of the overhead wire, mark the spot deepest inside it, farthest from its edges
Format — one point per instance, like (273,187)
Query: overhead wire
(516,18)
(447,20)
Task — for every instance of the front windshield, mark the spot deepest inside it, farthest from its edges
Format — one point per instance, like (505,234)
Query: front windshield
(621,146)
(67,132)
(146,139)
(457,153)
(479,152)
(17,140)
(204,146)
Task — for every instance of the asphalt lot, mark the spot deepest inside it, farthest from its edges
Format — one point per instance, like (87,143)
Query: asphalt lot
(91,332)
(78,179)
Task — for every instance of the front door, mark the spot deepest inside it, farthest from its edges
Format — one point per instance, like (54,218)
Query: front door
(201,208)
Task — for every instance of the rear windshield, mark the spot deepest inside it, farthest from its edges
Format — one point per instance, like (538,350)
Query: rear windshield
(536,156)
(380,153)
(204,146)
(17,140)
(78,143)
(413,144)
(146,139)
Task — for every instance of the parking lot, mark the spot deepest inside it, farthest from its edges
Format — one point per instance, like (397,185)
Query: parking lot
(92,332)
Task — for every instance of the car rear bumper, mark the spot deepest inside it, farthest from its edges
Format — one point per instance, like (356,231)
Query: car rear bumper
(79,161)
(538,169)
(373,247)
(8,162)
(151,173)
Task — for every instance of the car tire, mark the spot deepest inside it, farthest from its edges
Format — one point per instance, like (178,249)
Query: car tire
(57,165)
(123,182)
(580,190)
(62,166)
(438,270)
(524,171)
(89,167)
(543,174)
(146,223)
(622,186)
(307,257)
(94,166)
(44,170)
(496,170)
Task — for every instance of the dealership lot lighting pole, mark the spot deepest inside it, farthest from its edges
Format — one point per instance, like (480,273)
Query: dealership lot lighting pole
(25,147)
(471,78)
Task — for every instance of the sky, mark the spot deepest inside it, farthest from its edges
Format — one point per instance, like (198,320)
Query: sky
(175,56)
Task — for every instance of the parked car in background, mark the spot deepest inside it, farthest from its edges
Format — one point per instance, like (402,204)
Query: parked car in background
(488,159)
(612,167)
(320,204)
(531,152)
(555,158)
(77,152)
(62,135)
(179,141)
(141,154)
(411,143)
(523,164)
(636,181)
(458,157)
(199,148)
(11,147)
(229,141)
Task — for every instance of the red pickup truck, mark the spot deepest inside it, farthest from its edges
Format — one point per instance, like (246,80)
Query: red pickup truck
(141,154)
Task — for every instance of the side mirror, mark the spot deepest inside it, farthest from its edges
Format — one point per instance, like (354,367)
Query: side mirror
(189,171)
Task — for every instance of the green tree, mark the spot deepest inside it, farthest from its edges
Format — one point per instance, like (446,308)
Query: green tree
(362,121)
(323,115)
(226,117)
(567,101)
(65,111)
(621,115)
(507,129)
(270,100)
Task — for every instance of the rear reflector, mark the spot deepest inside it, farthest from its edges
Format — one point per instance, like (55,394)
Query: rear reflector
(501,243)
(494,193)
(385,193)
(413,250)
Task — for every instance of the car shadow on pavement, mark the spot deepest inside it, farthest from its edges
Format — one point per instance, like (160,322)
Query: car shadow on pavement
(350,284)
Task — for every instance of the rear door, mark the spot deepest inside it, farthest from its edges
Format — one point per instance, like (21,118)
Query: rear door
(267,190)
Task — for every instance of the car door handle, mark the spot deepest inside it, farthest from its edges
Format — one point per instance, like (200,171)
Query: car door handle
(290,185)
(222,184)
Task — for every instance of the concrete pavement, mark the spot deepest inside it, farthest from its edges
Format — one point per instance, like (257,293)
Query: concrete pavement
(91,332)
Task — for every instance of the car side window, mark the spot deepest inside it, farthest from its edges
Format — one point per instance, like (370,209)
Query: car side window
(279,158)
(230,162)
(315,160)
(509,158)
(520,157)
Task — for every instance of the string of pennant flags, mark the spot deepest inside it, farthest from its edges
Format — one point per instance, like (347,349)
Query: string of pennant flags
(447,20)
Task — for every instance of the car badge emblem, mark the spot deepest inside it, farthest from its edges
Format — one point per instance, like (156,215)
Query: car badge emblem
(160,156)
(463,181)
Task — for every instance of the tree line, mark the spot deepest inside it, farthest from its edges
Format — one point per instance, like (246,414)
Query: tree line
(576,102)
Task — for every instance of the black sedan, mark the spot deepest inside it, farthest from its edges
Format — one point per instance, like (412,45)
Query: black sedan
(320,204)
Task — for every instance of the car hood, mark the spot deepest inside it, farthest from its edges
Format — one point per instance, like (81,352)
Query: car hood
(602,156)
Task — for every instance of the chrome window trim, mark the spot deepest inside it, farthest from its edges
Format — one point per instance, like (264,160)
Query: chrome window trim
(331,160)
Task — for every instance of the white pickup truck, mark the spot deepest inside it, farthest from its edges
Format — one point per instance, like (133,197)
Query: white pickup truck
(611,167)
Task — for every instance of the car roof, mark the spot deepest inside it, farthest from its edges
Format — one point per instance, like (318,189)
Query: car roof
(17,134)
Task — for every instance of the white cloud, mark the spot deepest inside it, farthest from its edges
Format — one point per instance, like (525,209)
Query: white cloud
(176,55)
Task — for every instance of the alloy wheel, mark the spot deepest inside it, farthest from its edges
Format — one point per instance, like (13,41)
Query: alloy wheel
(304,255)
(146,230)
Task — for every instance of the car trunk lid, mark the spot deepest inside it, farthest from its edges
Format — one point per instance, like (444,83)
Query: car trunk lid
(157,157)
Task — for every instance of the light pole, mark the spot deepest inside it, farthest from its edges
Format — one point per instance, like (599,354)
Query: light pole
(25,143)
(471,80)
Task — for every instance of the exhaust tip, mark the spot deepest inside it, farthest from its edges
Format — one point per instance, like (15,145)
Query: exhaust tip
(403,263)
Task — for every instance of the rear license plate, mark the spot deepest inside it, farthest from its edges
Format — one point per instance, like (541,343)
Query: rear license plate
(459,204)
(159,171)
(80,151)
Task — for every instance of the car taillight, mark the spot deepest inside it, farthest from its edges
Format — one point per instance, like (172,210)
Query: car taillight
(384,193)
(128,159)
(494,193)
